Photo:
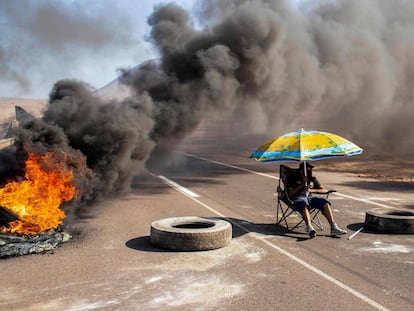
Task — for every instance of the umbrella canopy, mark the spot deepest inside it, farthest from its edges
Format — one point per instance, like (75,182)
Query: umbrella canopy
(305,145)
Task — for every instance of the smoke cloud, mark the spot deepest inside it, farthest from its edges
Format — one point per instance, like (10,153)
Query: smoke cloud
(42,41)
(113,136)
(346,65)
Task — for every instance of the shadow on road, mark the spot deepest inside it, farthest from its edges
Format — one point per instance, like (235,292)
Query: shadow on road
(143,244)
(241,227)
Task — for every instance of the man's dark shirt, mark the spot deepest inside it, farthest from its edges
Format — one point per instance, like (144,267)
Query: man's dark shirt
(295,179)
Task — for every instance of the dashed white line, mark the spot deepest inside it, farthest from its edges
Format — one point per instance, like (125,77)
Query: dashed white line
(178,187)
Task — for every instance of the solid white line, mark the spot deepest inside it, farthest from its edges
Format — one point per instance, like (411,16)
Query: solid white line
(274,177)
(360,199)
(282,251)
(232,166)
(179,187)
(326,276)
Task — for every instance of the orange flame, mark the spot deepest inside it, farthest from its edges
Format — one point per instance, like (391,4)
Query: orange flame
(36,200)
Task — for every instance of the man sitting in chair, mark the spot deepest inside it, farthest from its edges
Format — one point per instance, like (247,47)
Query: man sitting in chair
(299,191)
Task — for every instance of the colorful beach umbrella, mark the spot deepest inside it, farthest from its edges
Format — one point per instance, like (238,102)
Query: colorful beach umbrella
(305,146)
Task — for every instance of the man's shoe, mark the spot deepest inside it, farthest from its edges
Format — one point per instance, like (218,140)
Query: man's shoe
(338,231)
(311,232)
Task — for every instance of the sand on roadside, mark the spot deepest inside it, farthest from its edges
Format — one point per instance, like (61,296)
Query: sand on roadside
(32,106)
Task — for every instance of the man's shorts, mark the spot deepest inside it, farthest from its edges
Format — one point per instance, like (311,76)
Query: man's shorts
(315,202)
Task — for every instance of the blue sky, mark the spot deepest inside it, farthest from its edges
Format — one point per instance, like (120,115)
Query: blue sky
(57,39)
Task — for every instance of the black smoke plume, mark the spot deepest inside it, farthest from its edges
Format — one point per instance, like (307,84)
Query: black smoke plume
(344,65)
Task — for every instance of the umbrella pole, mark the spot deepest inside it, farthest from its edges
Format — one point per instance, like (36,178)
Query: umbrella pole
(306,175)
(304,167)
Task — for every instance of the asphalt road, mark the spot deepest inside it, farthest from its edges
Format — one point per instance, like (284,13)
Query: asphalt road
(111,265)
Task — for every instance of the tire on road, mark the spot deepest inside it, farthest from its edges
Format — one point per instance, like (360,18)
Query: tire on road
(389,220)
(190,233)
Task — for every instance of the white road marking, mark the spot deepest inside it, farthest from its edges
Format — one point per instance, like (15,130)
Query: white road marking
(281,250)
(232,166)
(274,177)
(179,187)
(360,199)
(384,199)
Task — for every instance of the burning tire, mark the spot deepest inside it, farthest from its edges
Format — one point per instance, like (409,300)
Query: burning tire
(390,220)
(190,233)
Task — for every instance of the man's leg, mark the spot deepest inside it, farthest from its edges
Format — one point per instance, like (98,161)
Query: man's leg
(307,219)
(327,211)
(325,206)
(302,206)
(306,216)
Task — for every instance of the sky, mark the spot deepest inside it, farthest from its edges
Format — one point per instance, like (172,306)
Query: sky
(44,41)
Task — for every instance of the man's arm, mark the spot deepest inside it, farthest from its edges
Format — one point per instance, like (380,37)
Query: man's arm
(319,190)
(317,187)
(293,191)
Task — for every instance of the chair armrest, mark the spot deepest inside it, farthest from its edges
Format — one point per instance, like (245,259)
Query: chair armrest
(325,192)
(321,191)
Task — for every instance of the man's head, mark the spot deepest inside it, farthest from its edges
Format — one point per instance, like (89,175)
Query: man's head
(309,168)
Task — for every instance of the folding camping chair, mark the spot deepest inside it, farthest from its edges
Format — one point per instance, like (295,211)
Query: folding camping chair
(285,204)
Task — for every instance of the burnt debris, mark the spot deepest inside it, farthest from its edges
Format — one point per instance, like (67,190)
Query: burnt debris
(18,245)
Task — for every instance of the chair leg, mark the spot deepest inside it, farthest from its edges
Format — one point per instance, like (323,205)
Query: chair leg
(282,215)
(298,224)
(316,220)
